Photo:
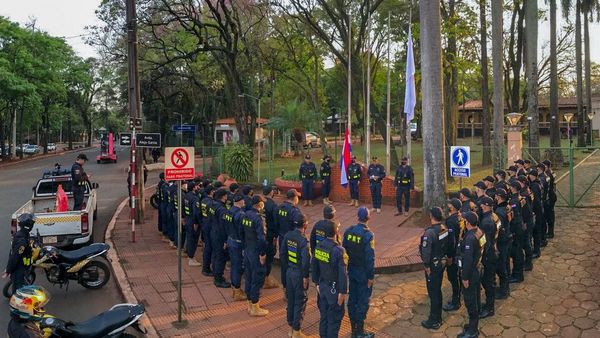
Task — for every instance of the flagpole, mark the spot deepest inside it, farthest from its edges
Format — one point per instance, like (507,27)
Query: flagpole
(408,135)
(349,75)
(410,95)
(368,126)
(388,124)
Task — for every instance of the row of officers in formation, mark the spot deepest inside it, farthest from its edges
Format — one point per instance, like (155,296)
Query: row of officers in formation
(495,233)
(248,229)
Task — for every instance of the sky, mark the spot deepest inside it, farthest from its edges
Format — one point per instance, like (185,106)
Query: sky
(67,18)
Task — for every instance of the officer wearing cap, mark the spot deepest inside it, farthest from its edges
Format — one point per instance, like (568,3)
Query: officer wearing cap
(465,196)
(165,210)
(490,188)
(504,213)
(206,205)
(247,192)
(295,255)
(317,234)
(405,182)
(479,194)
(489,225)
(270,213)
(527,165)
(218,235)
(432,250)
(234,189)
(376,173)
(232,220)
(520,164)
(469,255)
(307,173)
(501,180)
(285,215)
(255,255)
(328,271)
(19,258)
(536,188)
(192,223)
(453,224)
(512,171)
(528,220)
(544,182)
(518,229)
(161,182)
(354,173)
(325,172)
(173,214)
(79,179)
(359,243)
(549,208)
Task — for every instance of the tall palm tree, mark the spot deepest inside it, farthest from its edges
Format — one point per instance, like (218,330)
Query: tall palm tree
(434,154)
(589,8)
(554,118)
(531,51)
(498,96)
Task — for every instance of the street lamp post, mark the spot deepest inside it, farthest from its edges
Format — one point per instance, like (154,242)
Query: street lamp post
(590,116)
(257,126)
(568,117)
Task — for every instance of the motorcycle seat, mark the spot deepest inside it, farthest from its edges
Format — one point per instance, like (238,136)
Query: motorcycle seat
(75,256)
(102,324)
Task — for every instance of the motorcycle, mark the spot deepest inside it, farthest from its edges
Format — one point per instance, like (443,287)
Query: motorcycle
(111,323)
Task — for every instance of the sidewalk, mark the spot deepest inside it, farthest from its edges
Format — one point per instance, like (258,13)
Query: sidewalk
(151,270)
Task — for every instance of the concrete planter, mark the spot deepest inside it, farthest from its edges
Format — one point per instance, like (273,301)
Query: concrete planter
(285,185)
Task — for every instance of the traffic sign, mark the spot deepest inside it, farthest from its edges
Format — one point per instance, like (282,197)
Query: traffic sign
(147,140)
(179,163)
(185,128)
(460,161)
(125,139)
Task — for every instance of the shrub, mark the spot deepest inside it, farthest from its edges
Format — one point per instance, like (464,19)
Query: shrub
(239,161)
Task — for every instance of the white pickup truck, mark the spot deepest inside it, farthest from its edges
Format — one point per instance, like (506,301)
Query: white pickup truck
(60,229)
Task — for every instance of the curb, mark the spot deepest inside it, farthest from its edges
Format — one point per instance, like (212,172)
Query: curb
(42,156)
(119,273)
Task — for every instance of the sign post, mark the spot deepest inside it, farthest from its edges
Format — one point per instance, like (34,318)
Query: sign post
(179,165)
(460,162)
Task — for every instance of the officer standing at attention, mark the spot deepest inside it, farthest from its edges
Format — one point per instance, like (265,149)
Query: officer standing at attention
(405,182)
(490,188)
(218,236)
(285,215)
(465,196)
(307,173)
(207,222)
(192,223)
(376,173)
(504,213)
(233,190)
(79,178)
(318,232)
(359,243)
(159,195)
(470,253)
(232,219)
(518,229)
(255,256)
(325,173)
(272,233)
(354,173)
(489,226)
(433,248)
(173,214)
(19,258)
(544,181)
(247,192)
(295,255)
(163,208)
(549,208)
(536,189)
(453,224)
(528,220)
(328,271)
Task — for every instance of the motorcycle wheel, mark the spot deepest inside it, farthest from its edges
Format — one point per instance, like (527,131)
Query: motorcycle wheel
(7,289)
(94,275)
(154,201)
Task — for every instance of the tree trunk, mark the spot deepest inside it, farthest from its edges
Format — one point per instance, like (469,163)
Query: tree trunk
(556,154)
(486,158)
(434,154)
(45,123)
(516,60)
(579,68)
(21,128)
(531,31)
(14,133)
(588,75)
(450,87)
(498,97)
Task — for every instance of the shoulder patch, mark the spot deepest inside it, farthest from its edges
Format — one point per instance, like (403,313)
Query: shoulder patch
(346,258)
(372,243)
(21,249)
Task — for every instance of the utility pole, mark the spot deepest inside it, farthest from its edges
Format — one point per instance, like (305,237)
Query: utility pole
(133,92)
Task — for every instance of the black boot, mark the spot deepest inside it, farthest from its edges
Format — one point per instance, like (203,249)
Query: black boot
(207,272)
(528,266)
(451,306)
(468,333)
(220,282)
(486,311)
(431,324)
(516,279)
(503,291)
(361,333)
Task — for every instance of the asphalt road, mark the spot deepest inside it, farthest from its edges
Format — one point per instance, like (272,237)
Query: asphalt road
(77,303)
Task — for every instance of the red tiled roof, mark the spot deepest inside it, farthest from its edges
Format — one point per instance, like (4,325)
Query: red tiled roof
(563,102)
(231,120)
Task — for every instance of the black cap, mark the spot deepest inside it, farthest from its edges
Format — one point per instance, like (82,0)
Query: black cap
(533,172)
(219,194)
(470,217)
(307,157)
(161,175)
(479,185)
(191,185)
(455,203)
(257,199)
(466,192)
(326,157)
(373,157)
(206,182)
(298,220)
(292,193)
(512,168)
(218,184)
(501,173)
(541,166)
(547,163)
(246,190)
(329,212)
(233,187)
(515,184)
(404,159)
(501,193)
(267,189)
(209,189)
(490,179)
(238,197)
(521,162)
(526,162)
(487,201)
(82,157)
(436,213)
(523,179)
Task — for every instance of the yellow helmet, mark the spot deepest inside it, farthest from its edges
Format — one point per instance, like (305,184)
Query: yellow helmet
(28,302)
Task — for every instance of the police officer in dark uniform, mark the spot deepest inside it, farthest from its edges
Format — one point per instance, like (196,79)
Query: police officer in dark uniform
(466,198)
(528,221)
(170,191)
(489,225)
(359,243)
(317,234)
(232,220)
(518,229)
(19,259)
(405,182)
(501,180)
(159,196)
(285,215)
(520,164)
(192,223)
(511,172)
(504,213)
(79,178)
(376,173)
(490,188)
(163,209)
(295,255)
(469,255)
(247,192)
(307,174)
(432,250)
(255,256)
(325,172)
(233,190)
(354,173)
(453,224)
(549,208)
(218,235)
(206,205)
(270,212)
(328,271)
(479,194)
(544,181)
(537,190)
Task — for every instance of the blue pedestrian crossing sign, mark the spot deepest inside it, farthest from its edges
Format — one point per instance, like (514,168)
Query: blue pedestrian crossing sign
(460,161)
